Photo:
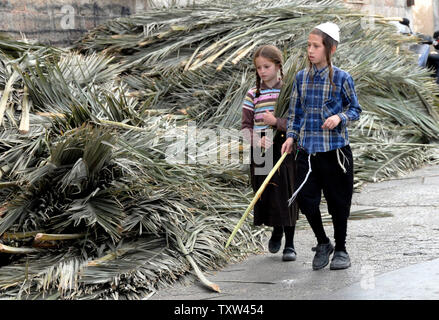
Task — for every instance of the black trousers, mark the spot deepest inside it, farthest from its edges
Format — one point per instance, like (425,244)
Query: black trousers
(337,186)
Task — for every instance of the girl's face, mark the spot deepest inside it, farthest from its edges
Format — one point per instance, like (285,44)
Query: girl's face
(267,69)
(316,51)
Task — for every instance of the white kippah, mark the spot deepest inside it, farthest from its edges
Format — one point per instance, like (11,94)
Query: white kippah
(331,29)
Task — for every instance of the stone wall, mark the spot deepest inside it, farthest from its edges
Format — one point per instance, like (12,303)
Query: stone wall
(61,22)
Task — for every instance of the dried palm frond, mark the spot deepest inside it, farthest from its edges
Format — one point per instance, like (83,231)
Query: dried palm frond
(147,189)
(98,162)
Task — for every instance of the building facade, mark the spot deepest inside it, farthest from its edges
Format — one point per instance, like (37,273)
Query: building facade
(61,22)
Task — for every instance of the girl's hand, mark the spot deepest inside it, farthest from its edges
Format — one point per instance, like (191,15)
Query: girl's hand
(265,143)
(269,118)
(331,122)
(287,146)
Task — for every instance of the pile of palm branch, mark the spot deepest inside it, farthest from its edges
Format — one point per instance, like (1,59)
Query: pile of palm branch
(91,205)
(198,61)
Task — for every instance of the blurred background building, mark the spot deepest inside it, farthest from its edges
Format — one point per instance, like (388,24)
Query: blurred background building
(423,14)
(61,22)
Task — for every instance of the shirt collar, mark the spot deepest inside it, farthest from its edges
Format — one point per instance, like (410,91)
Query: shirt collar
(278,85)
(319,72)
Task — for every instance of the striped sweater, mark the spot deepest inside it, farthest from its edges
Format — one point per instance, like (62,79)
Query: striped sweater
(253,108)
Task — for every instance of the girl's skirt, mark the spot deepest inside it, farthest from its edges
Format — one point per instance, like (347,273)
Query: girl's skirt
(272,207)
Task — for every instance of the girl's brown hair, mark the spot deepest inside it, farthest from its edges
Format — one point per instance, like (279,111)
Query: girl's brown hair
(271,53)
(328,42)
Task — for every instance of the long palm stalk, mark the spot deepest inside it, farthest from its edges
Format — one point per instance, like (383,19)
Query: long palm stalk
(57,237)
(256,198)
(200,275)
(20,235)
(24,123)
(5,96)
(8,249)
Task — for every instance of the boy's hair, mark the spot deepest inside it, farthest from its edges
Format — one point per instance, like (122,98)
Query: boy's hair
(328,42)
(271,53)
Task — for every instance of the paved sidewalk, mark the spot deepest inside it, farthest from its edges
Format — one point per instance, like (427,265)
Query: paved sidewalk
(394,256)
(419,281)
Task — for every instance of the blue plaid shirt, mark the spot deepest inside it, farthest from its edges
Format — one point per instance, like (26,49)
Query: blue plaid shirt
(313,101)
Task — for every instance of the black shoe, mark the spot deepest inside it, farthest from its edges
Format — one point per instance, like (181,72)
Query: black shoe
(289,254)
(321,258)
(340,261)
(274,246)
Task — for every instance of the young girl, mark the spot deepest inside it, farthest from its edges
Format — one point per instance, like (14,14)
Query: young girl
(257,117)
(323,102)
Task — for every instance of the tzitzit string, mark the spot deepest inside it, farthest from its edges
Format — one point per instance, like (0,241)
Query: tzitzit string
(344,159)
(291,200)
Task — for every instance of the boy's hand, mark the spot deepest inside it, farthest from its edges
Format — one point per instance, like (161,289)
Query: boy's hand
(287,146)
(269,118)
(331,122)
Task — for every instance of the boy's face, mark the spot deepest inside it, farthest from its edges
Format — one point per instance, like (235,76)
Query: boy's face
(266,69)
(316,51)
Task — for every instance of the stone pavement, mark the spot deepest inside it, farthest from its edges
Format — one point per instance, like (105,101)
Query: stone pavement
(394,255)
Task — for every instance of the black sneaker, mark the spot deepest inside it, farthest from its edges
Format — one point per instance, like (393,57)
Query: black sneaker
(289,254)
(321,258)
(340,261)
(274,245)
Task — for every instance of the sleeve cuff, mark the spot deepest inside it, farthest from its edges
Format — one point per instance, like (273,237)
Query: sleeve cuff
(292,135)
(344,119)
(281,124)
